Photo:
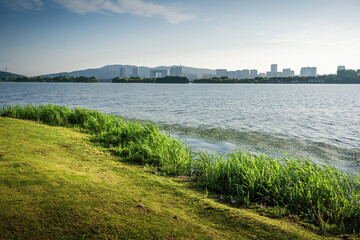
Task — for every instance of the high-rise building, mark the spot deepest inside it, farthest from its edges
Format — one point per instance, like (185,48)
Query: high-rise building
(177,71)
(273,72)
(245,73)
(341,68)
(136,72)
(253,73)
(221,73)
(238,74)
(308,72)
(123,72)
(278,74)
(287,72)
(262,75)
(274,68)
(231,74)
(155,73)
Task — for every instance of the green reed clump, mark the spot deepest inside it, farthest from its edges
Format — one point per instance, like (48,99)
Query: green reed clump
(143,143)
(93,121)
(320,194)
(146,144)
(317,193)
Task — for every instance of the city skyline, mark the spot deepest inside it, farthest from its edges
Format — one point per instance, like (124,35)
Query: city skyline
(129,71)
(219,73)
(48,36)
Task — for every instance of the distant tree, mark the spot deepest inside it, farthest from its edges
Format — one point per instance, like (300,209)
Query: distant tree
(343,73)
(54,79)
(172,79)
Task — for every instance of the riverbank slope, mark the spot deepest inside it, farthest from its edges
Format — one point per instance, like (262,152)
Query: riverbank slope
(55,184)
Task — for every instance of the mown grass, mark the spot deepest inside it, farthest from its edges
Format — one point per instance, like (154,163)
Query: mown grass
(320,195)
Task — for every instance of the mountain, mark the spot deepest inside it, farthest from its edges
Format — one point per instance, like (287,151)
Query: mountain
(111,71)
(9,75)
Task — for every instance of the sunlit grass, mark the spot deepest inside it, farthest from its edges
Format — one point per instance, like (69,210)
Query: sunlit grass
(319,194)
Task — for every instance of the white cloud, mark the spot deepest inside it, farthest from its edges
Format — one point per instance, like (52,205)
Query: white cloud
(319,36)
(171,13)
(23,4)
(220,29)
(208,19)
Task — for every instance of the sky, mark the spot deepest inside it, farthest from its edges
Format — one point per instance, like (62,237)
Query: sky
(49,36)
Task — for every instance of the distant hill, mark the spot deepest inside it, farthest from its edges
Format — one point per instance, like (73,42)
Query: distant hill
(111,71)
(9,75)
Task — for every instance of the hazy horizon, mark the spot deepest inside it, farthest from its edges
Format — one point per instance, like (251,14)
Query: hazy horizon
(50,36)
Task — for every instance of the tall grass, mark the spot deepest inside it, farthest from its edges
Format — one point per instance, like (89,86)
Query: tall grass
(316,192)
(320,194)
(142,143)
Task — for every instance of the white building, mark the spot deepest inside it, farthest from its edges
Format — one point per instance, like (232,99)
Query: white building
(177,71)
(253,73)
(156,73)
(123,72)
(231,74)
(273,72)
(287,72)
(238,74)
(262,75)
(136,72)
(245,73)
(341,68)
(308,72)
(274,68)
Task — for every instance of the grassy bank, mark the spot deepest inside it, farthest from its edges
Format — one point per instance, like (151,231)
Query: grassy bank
(55,184)
(319,195)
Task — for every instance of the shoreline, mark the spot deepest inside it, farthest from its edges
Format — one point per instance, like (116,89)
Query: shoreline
(248,178)
(56,184)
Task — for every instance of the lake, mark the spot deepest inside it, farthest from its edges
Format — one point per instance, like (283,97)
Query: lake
(319,122)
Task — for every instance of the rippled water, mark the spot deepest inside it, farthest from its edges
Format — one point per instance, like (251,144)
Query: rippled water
(321,122)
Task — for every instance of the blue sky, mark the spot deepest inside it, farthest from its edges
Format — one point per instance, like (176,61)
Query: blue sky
(48,36)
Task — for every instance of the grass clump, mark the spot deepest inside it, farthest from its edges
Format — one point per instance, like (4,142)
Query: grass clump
(319,194)
(141,143)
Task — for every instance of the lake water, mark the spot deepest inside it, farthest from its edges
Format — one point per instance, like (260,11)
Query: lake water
(320,122)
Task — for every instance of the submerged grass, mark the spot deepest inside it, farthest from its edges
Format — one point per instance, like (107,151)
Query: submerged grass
(319,194)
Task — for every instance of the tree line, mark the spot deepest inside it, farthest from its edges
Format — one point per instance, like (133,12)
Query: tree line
(167,79)
(81,79)
(342,77)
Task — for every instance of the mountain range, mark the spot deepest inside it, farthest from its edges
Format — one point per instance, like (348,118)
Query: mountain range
(111,71)
(9,75)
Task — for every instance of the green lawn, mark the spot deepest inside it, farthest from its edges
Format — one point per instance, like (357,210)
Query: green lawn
(56,184)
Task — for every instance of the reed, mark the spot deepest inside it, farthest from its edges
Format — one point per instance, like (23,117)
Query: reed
(319,194)
(132,141)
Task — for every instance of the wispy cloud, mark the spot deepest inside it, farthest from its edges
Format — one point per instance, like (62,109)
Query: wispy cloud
(23,4)
(173,14)
(208,19)
(334,36)
(220,29)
